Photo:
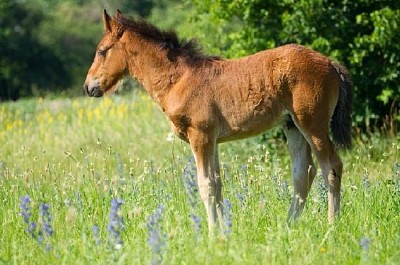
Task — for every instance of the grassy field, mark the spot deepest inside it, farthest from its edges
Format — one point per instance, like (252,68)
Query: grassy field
(103,181)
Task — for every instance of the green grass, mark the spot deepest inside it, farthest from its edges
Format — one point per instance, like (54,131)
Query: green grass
(77,155)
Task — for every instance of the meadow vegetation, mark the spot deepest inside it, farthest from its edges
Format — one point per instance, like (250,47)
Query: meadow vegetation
(103,181)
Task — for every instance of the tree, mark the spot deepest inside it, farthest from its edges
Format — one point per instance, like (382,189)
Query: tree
(25,64)
(49,45)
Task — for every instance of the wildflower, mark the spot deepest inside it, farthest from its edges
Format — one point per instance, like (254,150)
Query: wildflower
(47,230)
(96,234)
(46,219)
(190,179)
(227,217)
(115,225)
(364,243)
(26,215)
(242,197)
(191,184)
(196,220)
(156,238)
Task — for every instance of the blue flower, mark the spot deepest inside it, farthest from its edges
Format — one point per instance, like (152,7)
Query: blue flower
(26,215)
(196,221)
(364,243)
(227,217)
(47,230)
(242,197)
(156,239)
(116,224)
(190,179)
(96,234)
(44,234)
(44,211)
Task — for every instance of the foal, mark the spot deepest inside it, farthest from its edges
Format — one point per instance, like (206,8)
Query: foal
(209,100)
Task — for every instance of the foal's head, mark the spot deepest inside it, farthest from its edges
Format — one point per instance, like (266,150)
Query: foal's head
(110,62)
(133,47)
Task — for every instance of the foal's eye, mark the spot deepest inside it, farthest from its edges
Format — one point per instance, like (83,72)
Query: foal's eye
(102,52)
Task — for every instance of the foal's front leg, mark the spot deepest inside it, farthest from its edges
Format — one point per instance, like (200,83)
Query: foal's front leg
(203,146)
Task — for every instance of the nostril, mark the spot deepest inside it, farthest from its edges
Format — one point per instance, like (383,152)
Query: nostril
(86,88)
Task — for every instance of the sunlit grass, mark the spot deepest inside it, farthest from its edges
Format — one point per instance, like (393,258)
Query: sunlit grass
(78,155)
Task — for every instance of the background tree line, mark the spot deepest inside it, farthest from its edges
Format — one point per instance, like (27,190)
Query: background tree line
(46,46)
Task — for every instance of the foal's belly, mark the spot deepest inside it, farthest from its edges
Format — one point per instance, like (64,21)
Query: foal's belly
(248,128)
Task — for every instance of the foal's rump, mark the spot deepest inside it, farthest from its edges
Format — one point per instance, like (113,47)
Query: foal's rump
(316,91)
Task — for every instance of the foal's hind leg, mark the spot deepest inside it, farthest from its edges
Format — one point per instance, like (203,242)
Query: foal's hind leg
(303,168)
(331,167)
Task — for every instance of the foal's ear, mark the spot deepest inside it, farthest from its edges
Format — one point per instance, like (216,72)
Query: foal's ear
(111,26)
(106,21)
(119,14)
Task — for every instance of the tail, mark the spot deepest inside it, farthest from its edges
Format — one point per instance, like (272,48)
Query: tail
(341,119)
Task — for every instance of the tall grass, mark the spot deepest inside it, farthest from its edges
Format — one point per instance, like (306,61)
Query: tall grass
(108,168)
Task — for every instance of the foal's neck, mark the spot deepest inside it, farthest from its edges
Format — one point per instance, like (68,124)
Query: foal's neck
(156,72)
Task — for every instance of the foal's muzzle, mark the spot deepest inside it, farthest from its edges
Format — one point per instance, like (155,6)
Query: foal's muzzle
(93,90)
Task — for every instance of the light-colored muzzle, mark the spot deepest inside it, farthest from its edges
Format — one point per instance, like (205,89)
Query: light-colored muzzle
(92,88)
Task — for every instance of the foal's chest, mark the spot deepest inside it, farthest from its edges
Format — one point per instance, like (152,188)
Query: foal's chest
(179,125)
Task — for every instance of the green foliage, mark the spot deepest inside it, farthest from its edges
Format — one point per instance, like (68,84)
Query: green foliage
(26,64)
(73,38)
(363,35)
(47,46)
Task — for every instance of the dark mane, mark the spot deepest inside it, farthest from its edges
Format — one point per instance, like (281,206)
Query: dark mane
(188,49)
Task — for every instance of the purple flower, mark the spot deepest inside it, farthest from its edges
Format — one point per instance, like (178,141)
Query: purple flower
(96,234)
(44,212)
(156,239)
(227,217)
(26,215)
(190,179)
(196,221)
(115,225)
(364,243)
(242,197)
(44,234)
(47,231)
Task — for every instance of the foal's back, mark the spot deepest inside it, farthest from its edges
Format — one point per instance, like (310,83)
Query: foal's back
(246,96)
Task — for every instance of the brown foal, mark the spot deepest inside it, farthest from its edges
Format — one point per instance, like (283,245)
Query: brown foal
(209,100)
